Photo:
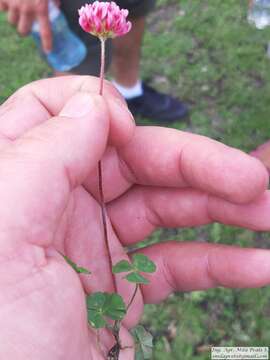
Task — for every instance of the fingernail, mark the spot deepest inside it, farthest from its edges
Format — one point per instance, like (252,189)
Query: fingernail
(79,105)
(124,107)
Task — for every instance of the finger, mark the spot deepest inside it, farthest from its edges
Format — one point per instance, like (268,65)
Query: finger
(171,158)
(38,101)
(144,209)
(13,16)
(41,168)
(164,168)
(22,111)
(200,266)
(3,6)
(45,28)
(25,23)
(115,183)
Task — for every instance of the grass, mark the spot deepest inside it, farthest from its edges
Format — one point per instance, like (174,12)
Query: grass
(206,53)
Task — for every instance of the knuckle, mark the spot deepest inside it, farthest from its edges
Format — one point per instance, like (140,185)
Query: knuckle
(42,7)
(12,9)
(12,20)
(26,10)
(23,32)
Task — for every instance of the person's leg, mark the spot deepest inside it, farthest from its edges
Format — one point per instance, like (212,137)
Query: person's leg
(143,101)
(127,53)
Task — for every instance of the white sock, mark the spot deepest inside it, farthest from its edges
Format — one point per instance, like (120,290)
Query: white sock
(129,92)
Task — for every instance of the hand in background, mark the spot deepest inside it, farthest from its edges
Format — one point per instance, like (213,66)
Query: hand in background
(53,133)
(22,13)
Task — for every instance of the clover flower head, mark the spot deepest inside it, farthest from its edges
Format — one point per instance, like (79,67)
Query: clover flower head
(104,19)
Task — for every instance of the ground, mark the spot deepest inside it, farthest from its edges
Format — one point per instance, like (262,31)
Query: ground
(206,53)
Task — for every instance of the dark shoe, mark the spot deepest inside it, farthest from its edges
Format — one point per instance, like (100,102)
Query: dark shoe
(156,106)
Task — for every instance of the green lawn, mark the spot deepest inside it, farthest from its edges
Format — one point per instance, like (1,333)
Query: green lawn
(206,53)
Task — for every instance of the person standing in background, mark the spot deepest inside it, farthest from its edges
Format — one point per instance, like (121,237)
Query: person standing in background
(123,52)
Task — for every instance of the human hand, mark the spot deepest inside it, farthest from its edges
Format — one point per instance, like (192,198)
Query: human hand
(152,177)
(22,13)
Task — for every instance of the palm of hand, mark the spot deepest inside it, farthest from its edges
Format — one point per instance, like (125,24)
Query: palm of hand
(172,181)
(40,290)
(80,236)
(53,294)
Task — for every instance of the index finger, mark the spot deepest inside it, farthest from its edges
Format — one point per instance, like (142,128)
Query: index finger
(171,158)
(45,28)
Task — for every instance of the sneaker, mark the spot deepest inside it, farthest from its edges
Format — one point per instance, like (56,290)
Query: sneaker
(156,106)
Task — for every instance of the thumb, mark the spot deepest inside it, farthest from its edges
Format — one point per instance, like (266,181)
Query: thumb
(75,140)
(39,170)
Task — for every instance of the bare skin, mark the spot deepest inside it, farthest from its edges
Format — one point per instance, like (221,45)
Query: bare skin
(53,133)
(127,53)
(263,154)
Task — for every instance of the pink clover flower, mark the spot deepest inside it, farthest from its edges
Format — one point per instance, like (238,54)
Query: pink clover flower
(104,19)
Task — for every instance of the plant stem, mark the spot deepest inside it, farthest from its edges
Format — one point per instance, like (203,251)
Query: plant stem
(103,211)
(102,64)
(100,177)
(133,297)
(114,352)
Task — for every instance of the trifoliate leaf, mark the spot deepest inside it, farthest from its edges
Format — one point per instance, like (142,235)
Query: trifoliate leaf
(115,307)
(78,269)
(142,263)
(137,278)
(143,343)
(102,305)
(122,266)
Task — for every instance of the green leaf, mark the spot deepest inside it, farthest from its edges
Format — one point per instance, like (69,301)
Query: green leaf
(96,301)
(101,305)
(78,269)
(96,320)
(95,306)
(137,278)
(115,307)
(143,343)
(82,270)
(142,263)
(122,266)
